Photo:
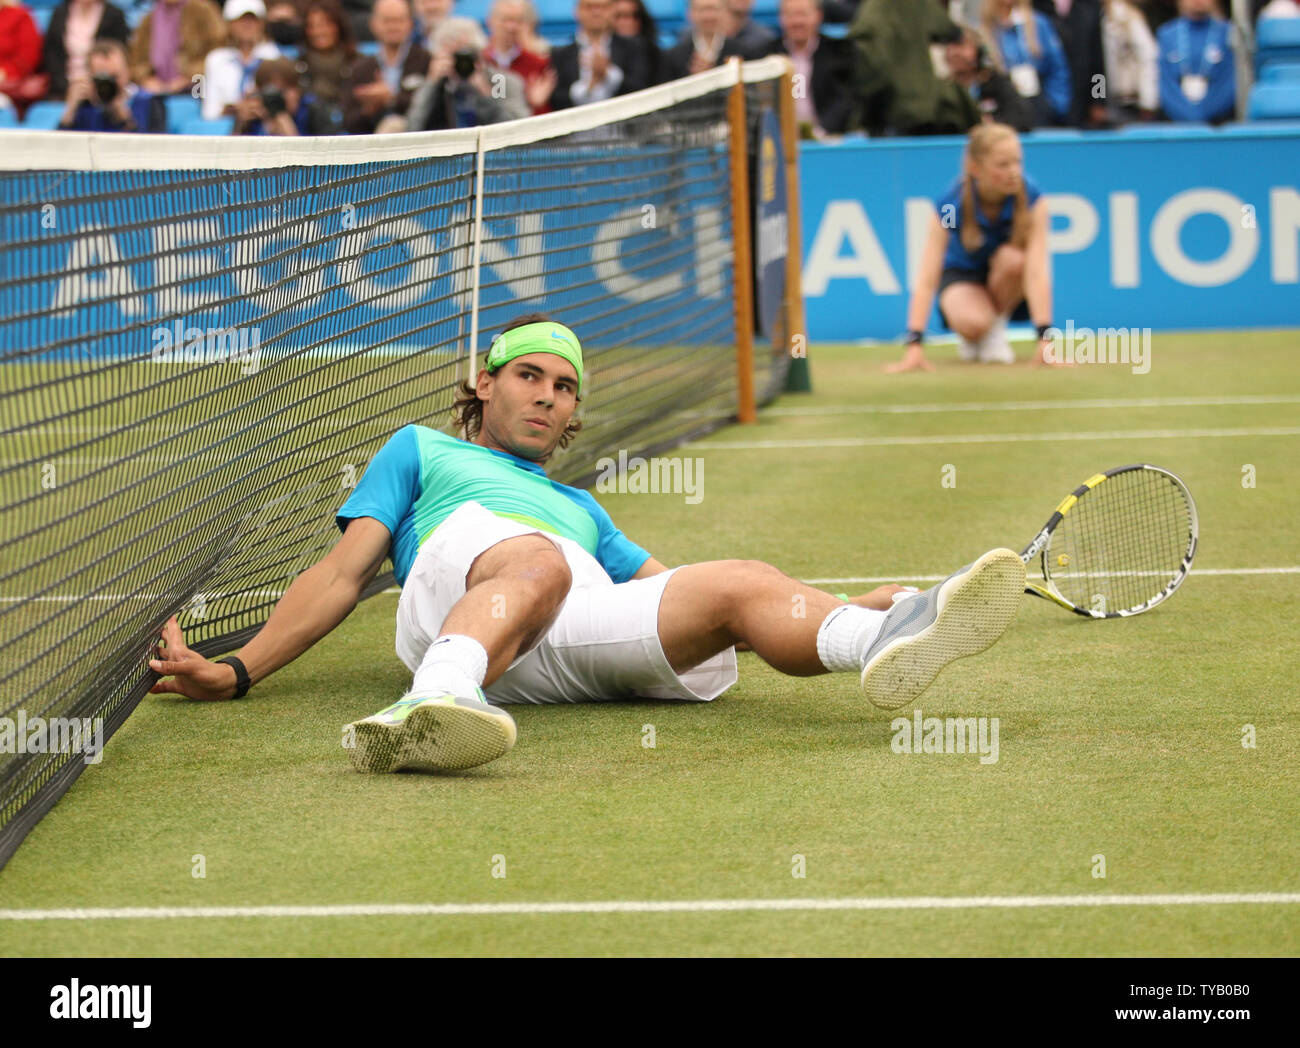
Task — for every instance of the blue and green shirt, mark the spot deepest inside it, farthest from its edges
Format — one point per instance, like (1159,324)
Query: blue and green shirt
(420,477)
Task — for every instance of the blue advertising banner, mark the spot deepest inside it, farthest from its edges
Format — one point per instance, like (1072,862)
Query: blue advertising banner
(1168,227)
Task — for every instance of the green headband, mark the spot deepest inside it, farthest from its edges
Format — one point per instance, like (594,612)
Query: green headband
(545,336)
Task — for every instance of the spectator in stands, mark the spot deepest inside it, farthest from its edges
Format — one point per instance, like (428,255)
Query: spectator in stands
(107,100)
(506,50)
(1279,9)
(530,39)
(20,54)
(428,15)
(284,23)
(357,13)
(383,83)
(329,52)
(703,45)
(972,67)
(985,251)
(170,45)
(74,27)
(1132,79)
(1197,74)
(459,90)
(823,69)
(278,105)
(228,71)
(598,64)
(1158,12)
(751,39)
(631,19)
(1031,51)
(896,83)
(1078,25)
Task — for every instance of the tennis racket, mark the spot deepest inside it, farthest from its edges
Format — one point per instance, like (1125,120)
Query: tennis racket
(1117,545)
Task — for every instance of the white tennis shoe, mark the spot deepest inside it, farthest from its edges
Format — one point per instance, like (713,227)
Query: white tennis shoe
(431,732)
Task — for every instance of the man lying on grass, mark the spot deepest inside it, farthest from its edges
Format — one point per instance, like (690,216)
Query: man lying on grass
(518,589)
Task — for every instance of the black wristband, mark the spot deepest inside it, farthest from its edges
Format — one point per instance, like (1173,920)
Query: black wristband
(242,682)
(1043,329)
(914,338)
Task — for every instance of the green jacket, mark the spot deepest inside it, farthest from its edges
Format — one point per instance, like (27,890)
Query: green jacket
(896,80)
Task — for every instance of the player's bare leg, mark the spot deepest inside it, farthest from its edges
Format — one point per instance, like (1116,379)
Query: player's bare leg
(1006,289)
(802,631)
(514,590)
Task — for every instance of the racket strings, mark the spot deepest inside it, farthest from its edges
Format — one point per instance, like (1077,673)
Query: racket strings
(1122,543)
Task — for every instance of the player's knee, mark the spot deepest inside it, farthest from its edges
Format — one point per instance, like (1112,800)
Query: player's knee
(1007,262)
(973,327)
(548,573)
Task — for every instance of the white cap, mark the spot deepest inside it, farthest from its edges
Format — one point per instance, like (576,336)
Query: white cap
(235,9)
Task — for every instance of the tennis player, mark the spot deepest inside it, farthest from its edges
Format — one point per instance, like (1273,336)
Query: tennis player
(985,252)
(517,589)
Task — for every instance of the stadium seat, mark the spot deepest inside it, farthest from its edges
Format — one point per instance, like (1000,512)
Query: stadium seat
(8,118)
(475,9)
(43,116)
(41,16)
(1276,40)
(1275,71)
(368,47)
(1279,100)
(180,108)
(196,125)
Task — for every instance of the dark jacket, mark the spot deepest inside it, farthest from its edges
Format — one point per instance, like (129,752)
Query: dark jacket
(1080,33)
(628,53)
(366,70)
(434,108)
(147,110)
(676,61)
(754,40)
(112,26)
(832,82)
(895,77)
(996,96)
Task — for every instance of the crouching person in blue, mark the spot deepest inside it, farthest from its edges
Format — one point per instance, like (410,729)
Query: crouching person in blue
(107,100)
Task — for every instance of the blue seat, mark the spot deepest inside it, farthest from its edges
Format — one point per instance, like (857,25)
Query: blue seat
(180,108)
(43,116)
(368,47)
(1273,71)
(41,16)
(475,9)
(8,118)
(1276,40)
(1279,100)
(196,125)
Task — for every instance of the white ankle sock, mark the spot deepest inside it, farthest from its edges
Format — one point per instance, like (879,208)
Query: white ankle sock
(845,635)
(454,663)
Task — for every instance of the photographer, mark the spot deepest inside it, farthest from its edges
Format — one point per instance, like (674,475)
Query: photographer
(278,105)
(106,100)
(972,67)
(460,92)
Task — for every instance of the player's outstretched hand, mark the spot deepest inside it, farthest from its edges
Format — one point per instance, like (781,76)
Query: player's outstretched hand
(1046,357)
(913,360)
(190,673)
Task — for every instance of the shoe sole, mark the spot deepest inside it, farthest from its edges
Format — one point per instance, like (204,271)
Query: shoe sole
(434,737)
(975,609)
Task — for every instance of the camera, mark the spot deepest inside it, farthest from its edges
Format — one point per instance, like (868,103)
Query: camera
(273,100)
(105,87)
(464,63)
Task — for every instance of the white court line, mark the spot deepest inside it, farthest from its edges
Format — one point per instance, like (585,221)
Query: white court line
(395,591)
(992,438)
(937,578)
(496,909)
(1027,405)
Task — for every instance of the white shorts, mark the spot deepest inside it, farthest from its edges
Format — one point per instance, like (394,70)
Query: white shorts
(604,644)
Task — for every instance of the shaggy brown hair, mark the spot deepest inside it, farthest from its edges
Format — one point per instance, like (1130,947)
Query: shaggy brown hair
(468,409)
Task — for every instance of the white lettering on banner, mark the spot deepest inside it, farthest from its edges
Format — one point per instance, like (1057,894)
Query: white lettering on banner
(611,242)
(253,252)
(712,252)
(772,236)
(1125,265)
(1284,206)
(411,239)
(186,253)
(95,271)
(520,263)
(847,219)
(1167,228)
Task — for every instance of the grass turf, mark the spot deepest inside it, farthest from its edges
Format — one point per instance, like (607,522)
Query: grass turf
(1120,739)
